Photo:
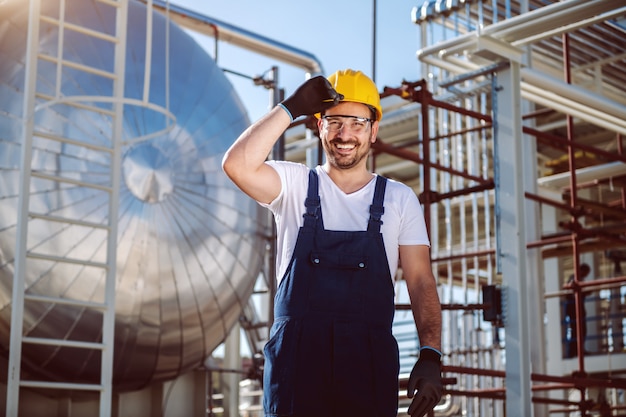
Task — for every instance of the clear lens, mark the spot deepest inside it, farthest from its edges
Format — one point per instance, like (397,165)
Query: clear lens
(353,123)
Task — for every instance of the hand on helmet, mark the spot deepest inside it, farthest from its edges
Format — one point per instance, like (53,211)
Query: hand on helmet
(314,96)
(426,379)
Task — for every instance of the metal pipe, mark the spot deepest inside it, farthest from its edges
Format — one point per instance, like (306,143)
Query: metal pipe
(415,157)
(551,93)
(374,24)
(241,37)
(563,102)
(526,25)
(485,252)
(461,307)
(559,142)
(621,152)
(605,284)
(592,173)
(574,93)
(612,14)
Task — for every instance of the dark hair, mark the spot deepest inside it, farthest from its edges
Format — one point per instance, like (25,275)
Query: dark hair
(373,112)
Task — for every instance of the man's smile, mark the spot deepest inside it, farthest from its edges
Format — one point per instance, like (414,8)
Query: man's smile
(343,146)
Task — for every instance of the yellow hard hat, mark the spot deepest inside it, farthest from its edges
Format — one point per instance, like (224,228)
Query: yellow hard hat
(357,87)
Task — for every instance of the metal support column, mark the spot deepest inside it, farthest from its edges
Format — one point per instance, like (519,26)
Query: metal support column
(512,247)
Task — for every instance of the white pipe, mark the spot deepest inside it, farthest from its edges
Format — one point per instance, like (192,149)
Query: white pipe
(454,68)
(243,38)
(574,108)
(148,53)
(555,94)
(575,93)
(571,28)
(596,172)
(527,24)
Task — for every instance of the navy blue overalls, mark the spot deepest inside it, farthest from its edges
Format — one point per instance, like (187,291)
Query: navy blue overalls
(331,352)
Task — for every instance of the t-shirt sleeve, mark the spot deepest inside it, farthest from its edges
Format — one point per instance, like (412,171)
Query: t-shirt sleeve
(413,226)
(290,174)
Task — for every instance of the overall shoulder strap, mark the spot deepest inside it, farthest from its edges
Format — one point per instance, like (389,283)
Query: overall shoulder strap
(377,209)
(312,202)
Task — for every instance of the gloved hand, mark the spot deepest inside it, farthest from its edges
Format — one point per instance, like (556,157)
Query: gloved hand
(314,96)
(426,379)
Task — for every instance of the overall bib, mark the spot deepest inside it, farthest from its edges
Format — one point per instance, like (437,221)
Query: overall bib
(331,352)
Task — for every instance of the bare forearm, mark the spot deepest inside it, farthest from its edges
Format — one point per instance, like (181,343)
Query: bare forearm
(426,309)
(244,162)
(253,146)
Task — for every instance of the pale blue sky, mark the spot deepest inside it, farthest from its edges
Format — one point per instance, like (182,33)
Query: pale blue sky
(337,32)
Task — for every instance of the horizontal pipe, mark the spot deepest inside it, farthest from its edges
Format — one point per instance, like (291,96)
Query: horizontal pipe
(526,25)
(562,143)
(567,292)
(381,147)
(595,172)
(494,393)
(548,34)
(588,99)
(564,104)
(561,101)
(241,37)
(464,255)
(460,307)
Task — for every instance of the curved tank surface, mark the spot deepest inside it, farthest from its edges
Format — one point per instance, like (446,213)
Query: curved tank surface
(189,243)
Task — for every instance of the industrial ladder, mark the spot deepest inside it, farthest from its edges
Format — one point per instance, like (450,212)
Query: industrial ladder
(26,254)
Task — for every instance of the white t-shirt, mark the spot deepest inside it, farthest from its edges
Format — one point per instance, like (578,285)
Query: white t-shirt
(403,219)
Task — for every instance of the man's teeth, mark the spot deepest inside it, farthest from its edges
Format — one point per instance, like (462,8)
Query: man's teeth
(345,146)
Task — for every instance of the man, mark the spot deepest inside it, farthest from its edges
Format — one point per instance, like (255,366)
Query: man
(570,313)
(342,232)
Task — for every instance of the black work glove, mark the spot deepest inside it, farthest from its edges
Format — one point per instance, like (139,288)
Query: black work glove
(314,96)
(426,379)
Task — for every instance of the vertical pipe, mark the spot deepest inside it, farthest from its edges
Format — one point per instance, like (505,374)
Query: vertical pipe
(620,150)
(485,170)
(425,105)
(167,62)
(374,24)
(492,356)
(459,165)
(571,153)
(467,352)
(147,65)
(60,44)
(496,175)
(278,153)
(232,360)
(470,150)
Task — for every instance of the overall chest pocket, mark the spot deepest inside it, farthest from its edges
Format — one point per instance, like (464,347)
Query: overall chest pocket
(337,281)
(333,260)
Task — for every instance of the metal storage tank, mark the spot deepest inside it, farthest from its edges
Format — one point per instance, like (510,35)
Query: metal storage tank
(190,245)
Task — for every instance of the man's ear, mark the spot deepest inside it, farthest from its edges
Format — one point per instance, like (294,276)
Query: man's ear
(374,131)
(319,124)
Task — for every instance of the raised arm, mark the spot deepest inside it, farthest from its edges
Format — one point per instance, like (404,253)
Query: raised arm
(244,162)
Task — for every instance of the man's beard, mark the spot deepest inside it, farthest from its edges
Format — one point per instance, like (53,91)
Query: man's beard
(346,162)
